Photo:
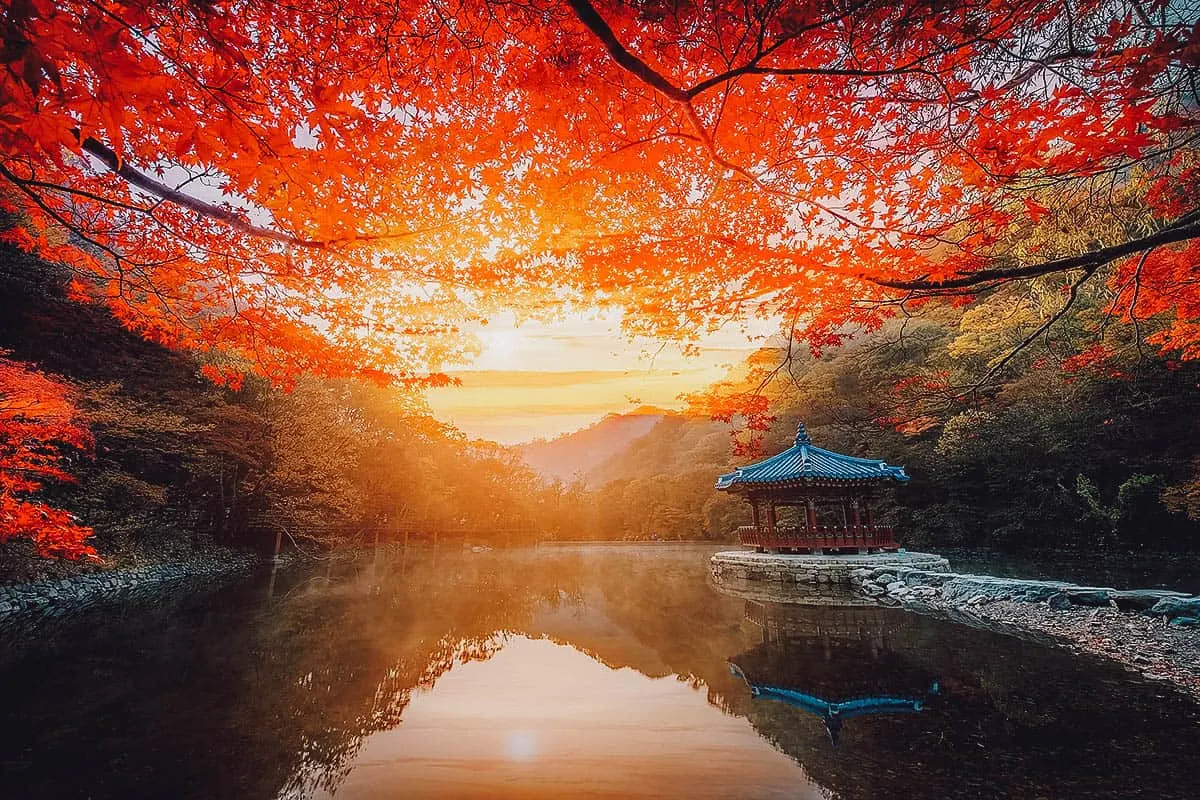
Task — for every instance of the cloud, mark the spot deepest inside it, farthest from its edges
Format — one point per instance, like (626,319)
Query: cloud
(540,379)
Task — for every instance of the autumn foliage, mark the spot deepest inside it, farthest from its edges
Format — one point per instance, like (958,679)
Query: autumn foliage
(335,186)
(338,187)
(39,427)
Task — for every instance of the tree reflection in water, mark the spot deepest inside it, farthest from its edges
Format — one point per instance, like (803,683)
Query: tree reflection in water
(244,697)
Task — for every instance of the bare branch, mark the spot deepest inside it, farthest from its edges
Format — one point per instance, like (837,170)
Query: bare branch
(1180,230)
(588,15)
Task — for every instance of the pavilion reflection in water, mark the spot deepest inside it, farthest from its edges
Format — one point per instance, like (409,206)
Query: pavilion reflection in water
(833,664)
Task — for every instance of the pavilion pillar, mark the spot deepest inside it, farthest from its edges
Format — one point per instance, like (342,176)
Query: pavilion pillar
(771,521)
(870,520)
(857,518)
(811,516)
(754,511)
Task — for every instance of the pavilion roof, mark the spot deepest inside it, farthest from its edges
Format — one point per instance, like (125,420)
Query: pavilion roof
(803,463)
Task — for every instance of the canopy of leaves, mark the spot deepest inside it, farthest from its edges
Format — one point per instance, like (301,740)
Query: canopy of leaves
(337,186)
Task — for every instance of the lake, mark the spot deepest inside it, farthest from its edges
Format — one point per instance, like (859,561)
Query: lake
(567,672)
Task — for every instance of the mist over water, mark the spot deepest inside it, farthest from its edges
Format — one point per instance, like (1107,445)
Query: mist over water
(593,672)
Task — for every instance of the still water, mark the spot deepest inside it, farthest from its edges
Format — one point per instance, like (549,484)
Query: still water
(595,672)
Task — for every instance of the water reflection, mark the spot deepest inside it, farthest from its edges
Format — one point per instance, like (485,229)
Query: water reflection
(541,719)
(564,674)
(834,713)
(841,658)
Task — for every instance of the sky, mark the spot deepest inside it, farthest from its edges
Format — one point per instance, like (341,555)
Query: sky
(539,380)
(543,720)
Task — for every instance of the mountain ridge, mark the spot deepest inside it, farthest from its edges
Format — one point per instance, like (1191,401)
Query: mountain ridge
(572,456)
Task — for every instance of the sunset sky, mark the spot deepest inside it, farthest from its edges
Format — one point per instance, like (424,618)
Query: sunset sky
(544,720)
(538,380)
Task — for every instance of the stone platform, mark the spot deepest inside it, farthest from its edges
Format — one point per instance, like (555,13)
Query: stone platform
(739,569)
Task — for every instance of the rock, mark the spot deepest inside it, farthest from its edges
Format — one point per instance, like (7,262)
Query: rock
(1189,621)
(1059,601)
(1173,607)
(1089,596)
(874,589)
(895,585)
(1141,599)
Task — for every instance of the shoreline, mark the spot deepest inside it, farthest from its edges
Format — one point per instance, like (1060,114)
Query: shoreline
(1144,631)
(29,605)
(1148,646)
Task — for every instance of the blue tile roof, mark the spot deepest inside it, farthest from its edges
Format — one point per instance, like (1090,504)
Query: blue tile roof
(803,462)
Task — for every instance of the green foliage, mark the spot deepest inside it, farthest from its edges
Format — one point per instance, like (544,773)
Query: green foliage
(1048,456)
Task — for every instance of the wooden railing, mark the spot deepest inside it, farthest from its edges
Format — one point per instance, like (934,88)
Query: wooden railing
(791,537)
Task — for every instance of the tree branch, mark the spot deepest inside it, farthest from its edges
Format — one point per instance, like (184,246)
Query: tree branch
(1072,296)
(137,178)
(232,219)
(1180,230)
(588,15)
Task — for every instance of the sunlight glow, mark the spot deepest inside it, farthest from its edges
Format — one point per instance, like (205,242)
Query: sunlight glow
(521,746)
(542,719)
(539,380)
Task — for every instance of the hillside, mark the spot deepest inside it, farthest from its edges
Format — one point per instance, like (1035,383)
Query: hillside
(179,463)
(574,455)
(1066,457)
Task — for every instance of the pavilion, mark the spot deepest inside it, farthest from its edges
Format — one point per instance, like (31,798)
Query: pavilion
(833,714)
(828,494)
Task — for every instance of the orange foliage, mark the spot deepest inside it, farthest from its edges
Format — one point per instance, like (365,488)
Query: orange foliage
(336,186)
(38,427)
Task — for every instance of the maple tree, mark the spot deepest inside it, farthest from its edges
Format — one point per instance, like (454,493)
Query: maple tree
(39,427)
(334,187)
(337,187)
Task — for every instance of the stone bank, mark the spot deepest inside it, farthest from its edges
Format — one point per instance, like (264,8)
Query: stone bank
(738,568)
(25,605)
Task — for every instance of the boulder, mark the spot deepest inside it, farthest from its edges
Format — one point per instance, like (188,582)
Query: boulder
(1059,601)
(919,578)
(1141,599)
(1175,607)
(1087,596)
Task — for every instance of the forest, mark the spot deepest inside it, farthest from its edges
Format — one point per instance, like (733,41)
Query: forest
(171,462)
(1056,455)
(242,238)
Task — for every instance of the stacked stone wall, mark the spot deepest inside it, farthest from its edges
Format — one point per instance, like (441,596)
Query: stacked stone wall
(26,605)
(739,568)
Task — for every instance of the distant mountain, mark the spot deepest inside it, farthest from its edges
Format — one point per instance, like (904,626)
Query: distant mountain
(574,455)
